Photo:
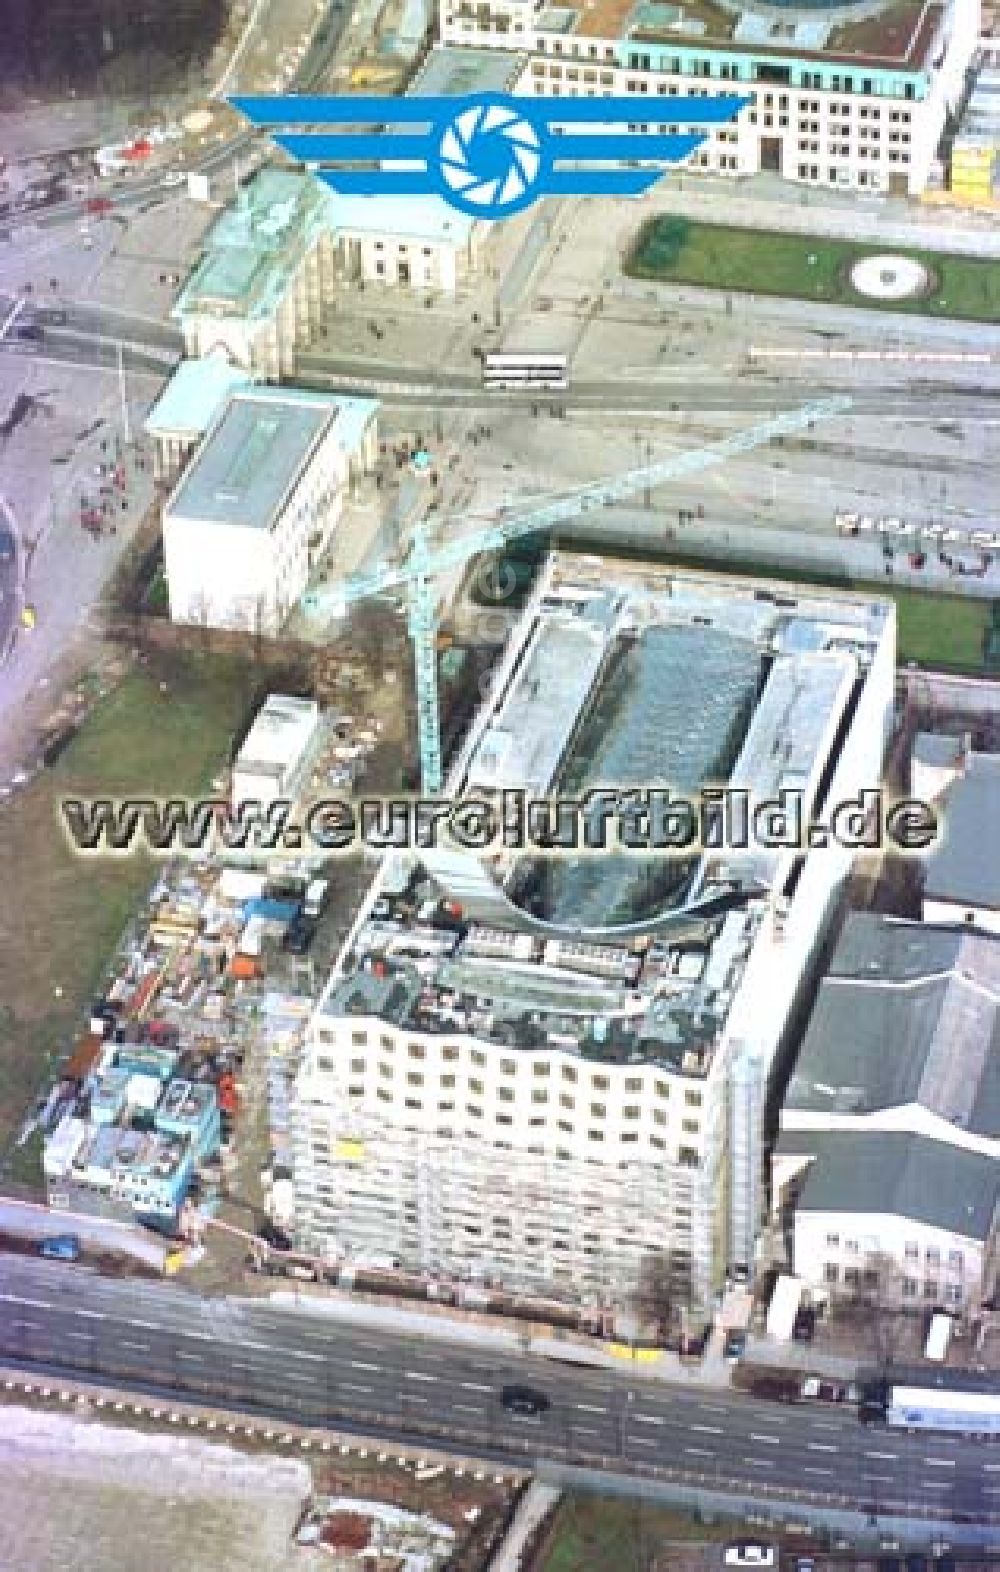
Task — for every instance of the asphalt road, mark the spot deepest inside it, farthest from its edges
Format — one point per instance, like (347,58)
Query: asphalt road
(298,1365)
(89,330)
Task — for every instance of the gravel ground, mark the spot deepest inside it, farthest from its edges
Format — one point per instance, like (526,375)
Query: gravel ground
(78,1494)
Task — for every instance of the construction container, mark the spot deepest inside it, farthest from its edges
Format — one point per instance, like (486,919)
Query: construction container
(245,968)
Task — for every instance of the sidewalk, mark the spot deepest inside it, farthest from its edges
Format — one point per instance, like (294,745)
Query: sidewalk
(800,210)
(535,1505)
(503,1339)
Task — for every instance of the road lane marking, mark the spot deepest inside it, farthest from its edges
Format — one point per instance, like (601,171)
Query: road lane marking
(991,1468)
(360,1364)
(707,1430)
(884,1457)
(698,1451)
(646,1419)
(592,1408)
(418,1375)
(467,1408)
(194,1358)
(640,1441)
(474,1386)
(877,1479)
(349,1386)
(302,1353)
(759,1462)
(820,1446)
(940,1462)
(585,1430)
(826,1472)
(769,1440)
(143,1348)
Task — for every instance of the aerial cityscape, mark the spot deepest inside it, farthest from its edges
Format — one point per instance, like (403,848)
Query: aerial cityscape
(499,785)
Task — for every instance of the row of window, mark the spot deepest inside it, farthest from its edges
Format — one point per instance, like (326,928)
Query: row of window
(932,1255)
(541,1068)
(727,70)
(687,1156)
(854,1277)
(506,1094)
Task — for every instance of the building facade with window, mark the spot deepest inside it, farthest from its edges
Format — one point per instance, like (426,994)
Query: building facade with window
(257,507)
(852,97)
(548,1075)
(888,1157)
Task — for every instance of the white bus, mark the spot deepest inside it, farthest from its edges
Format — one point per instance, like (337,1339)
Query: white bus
(536,369)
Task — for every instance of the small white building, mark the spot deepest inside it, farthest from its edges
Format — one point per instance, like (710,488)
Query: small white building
(187,407)
(258,506)
(413,242)
(910,1221)
(889,1146)
(278,748)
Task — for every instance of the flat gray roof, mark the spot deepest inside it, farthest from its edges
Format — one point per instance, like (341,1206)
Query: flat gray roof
(251,459)
(908,1013)
(899,1174)
(964,865)
(451,72)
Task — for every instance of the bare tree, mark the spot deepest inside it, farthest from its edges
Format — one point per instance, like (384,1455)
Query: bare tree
(877,1296)
(655,1300)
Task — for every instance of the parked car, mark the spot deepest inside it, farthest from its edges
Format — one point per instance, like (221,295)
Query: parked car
(804,1329)
(8,546)
(299,935)
(62,1247)
(748,1554)
(525,1401)
(735,1345)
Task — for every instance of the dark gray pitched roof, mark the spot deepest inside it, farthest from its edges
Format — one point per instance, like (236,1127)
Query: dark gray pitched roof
(902,1175)
(964,866)
(908,1013)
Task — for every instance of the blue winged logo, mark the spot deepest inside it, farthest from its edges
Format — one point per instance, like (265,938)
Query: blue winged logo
(487,154)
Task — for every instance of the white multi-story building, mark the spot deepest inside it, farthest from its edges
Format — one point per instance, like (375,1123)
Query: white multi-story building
(258,506)
(852,96)
(549,1073)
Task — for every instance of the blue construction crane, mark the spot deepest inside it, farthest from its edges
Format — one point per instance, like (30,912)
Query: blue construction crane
(423,563)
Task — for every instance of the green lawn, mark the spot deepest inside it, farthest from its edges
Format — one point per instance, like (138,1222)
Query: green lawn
(70,911)
(944,631)
(604,1534)
(802,267)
